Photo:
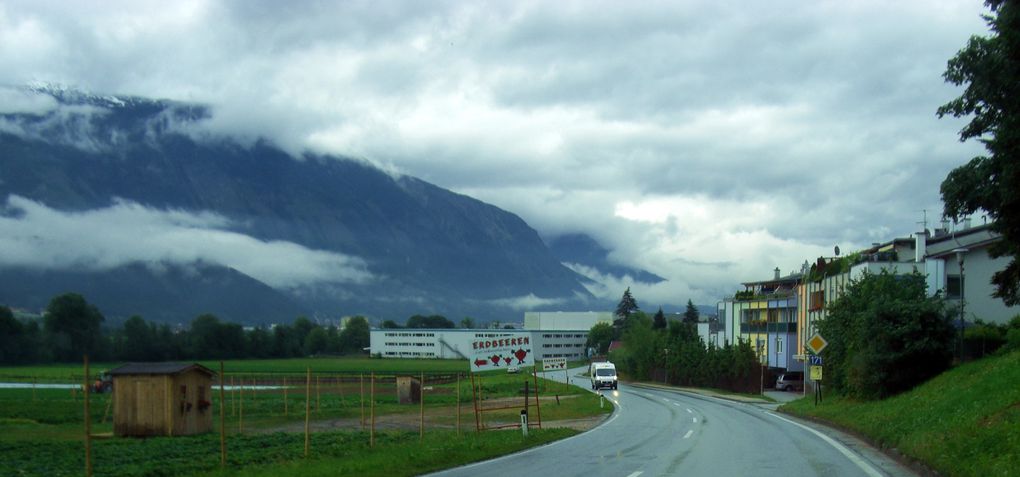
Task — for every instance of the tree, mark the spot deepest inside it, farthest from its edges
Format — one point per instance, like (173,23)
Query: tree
(138,338)
(626,306)
(316,341)
(356,335)
(432,322)
(659,320)
(990,66)
(467,323)
(599,337)
(389,324)
(72,327)
(885,336)
(12,337)
(691,315)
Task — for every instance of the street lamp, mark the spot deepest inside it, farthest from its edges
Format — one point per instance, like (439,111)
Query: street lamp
(961,254)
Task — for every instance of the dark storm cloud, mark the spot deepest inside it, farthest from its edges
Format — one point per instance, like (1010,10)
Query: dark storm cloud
(677,133)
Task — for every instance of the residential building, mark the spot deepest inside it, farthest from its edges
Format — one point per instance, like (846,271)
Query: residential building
(765,315)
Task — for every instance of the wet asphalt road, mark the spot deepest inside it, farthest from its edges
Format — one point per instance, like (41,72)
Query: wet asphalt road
(660,432)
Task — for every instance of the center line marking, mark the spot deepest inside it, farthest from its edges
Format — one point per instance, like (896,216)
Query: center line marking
(695,420)
(635,474)
(689,433)
(690,411)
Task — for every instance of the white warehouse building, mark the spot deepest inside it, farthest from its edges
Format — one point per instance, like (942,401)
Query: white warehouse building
(553,335)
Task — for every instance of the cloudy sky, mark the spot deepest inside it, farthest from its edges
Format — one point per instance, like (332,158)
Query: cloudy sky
(708,142)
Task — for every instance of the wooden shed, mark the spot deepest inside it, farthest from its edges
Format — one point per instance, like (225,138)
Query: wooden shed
(162,399)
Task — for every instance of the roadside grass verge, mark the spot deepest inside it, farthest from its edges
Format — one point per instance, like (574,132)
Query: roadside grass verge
(965,422)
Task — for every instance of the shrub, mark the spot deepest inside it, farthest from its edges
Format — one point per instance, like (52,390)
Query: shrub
(886,336)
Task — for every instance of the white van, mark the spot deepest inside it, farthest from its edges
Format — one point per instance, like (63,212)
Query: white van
(603,375)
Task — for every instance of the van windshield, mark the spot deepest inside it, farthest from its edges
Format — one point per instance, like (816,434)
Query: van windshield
(605,372)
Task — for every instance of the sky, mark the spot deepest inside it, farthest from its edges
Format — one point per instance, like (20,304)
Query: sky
(708,142)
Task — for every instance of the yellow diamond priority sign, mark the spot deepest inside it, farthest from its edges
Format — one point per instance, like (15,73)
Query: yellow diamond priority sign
(816,343)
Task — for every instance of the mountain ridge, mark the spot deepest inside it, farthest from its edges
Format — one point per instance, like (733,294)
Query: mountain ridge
(424,247)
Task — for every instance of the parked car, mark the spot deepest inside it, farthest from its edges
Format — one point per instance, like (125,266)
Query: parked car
(790,380)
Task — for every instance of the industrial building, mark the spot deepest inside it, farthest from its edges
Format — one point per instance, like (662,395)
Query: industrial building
(553,335)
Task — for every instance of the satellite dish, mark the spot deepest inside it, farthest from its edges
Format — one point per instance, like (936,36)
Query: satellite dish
(836,250)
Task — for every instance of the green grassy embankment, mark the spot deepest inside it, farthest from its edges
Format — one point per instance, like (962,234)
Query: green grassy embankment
(965,422)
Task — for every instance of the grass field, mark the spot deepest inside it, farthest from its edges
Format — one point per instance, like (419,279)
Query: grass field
(68,371)
(41,430)
(965,422)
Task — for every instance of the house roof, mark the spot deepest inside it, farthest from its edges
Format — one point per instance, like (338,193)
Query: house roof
(159,368)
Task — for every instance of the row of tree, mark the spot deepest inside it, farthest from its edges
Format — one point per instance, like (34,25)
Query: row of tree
(671,351)
(71,327)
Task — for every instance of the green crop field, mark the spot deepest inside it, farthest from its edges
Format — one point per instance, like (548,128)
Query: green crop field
(41,430)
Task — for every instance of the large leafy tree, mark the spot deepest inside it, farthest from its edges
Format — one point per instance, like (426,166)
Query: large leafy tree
(431,321)
(600,336)
(12,337)
(72,327)
(355,335)
(990,69)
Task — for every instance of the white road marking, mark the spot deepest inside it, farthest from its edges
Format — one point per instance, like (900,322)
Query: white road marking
(676,404)
(695,420)
(635,474)
(690,411)
(689,434)
(867,468)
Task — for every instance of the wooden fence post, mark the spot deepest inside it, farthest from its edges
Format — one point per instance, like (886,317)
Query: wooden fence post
(308,405)
(371,432)
(223,422)
(421,416)
(88,420)
(458,404)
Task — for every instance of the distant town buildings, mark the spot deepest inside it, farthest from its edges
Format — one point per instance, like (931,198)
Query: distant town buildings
(778,315)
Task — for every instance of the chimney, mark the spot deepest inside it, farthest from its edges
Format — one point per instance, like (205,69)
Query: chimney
(920,250)
(777,273)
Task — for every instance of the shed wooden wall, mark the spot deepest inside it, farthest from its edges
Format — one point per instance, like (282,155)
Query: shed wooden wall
(153,405)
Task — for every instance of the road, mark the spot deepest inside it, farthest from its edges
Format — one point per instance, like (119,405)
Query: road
(658,432)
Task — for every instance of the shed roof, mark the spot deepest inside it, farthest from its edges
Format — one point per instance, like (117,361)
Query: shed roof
(159,368)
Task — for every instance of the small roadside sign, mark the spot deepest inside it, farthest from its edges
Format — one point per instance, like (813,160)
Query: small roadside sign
(816,373)
(554,364)
(816,343)
(815,360)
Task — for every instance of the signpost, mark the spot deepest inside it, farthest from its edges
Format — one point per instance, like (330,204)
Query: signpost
(555,364)
(488,354)
(816,344)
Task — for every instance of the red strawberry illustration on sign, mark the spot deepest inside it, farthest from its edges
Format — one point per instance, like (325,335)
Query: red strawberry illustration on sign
(507,360)
(495,359)
(520,354)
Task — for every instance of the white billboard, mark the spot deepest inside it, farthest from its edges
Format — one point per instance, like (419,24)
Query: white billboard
(488,354)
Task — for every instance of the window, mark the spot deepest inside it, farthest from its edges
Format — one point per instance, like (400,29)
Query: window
(817,300)
(953,286)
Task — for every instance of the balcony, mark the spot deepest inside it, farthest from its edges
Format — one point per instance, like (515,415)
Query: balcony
(763,327)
